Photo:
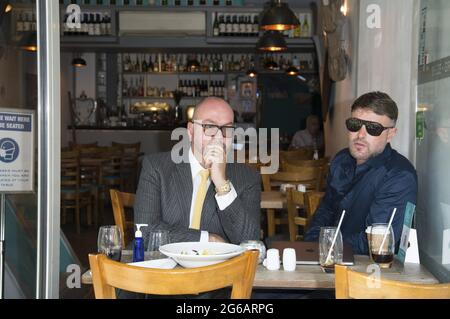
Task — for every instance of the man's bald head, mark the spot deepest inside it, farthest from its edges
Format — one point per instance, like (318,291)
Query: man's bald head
(214,109)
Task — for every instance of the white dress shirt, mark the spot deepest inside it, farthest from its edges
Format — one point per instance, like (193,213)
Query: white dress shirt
(223,201)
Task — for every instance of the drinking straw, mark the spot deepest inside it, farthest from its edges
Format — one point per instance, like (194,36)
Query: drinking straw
(387,229)
(335,237)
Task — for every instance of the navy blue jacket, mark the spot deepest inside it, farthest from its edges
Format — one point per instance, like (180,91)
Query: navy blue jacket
(368,192)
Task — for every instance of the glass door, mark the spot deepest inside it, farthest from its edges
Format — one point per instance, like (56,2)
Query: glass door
(29,149)
(433,138)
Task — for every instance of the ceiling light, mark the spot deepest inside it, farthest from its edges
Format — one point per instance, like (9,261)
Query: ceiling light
(79,62)
(278,17)
(272,41)
(292,70)
(29,42)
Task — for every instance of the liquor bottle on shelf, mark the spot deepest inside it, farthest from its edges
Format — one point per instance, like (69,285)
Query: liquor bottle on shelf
(235,26)
(216,2)
(255,32)
(190,2)
(215,26)
(305,26)
(222,26)
(228,26)
(202,2)
(298,29)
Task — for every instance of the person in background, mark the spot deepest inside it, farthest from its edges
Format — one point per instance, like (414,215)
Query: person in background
(368,179)
(311,136)
(205,199)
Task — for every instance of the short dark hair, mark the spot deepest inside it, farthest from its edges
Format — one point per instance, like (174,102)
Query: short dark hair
(378,102)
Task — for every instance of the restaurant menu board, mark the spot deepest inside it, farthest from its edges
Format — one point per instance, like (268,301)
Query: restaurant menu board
(404,240)
(16,150)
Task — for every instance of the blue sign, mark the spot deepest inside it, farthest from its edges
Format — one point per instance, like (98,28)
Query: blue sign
(9,150)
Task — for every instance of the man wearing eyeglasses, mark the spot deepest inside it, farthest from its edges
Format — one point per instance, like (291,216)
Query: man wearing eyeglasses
(206,199)
(368,179)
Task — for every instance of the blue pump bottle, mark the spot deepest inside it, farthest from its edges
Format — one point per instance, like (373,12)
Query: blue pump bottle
(138,249)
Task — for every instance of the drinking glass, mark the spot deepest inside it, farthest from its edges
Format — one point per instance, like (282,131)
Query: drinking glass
(381,252)
(157,238)
(109,242)
(325,241)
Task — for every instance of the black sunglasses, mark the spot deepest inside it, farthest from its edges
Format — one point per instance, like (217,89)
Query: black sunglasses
(212,129)
(373,128)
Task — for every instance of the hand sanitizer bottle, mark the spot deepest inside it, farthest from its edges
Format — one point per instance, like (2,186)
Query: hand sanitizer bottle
(138,249)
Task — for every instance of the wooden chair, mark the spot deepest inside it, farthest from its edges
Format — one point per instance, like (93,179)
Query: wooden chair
(322,163)
(120,201)
(238,272)
(308,176)
(75,146)
(130,164)
(305,153)
(310,201)
(352,284)
(73,194)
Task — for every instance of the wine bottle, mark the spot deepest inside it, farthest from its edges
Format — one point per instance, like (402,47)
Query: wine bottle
(215,26)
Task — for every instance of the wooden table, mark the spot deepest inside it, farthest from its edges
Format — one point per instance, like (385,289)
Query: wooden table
(312,276)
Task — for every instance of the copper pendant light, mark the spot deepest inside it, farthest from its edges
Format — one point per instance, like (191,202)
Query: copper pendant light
(292,70)
(79,62)
(278,17)
(272,41)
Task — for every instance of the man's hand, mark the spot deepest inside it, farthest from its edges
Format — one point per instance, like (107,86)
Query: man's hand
(214,156)
(216,238)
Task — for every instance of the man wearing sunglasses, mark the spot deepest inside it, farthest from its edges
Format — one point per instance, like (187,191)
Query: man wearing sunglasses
(368,179)
(206,199)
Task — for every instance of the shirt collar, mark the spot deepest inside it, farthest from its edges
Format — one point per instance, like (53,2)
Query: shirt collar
(350,166)
(194,164)
(381,158)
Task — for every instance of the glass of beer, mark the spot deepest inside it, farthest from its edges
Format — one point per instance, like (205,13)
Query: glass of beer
(381,244)
(328,260)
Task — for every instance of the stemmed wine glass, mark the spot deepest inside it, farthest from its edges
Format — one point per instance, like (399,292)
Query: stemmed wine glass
(109,242)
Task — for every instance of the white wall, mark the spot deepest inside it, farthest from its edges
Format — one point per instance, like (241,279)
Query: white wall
(387,61)
(344,91)
(382,59)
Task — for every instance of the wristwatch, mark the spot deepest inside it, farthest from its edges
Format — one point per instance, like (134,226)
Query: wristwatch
(225,188)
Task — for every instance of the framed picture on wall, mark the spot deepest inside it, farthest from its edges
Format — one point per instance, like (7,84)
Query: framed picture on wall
(246,89)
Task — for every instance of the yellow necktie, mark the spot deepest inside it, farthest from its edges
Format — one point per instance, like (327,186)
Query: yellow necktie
(199,199)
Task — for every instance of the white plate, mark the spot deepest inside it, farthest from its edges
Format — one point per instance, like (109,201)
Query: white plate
(165,263)
(183,253)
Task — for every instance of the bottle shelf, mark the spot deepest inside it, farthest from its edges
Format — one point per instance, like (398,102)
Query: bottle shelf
(176,73)
(161,98)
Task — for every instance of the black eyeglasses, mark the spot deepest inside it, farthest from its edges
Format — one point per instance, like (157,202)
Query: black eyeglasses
(373,128)
(212,129)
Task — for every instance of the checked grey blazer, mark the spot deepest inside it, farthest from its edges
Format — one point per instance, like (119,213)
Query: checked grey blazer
(164,194)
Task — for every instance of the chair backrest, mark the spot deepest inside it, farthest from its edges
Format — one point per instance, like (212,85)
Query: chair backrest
(352,284)
(307,162)
(128,147)
(238,272)
(73,145)
(308,176)
(309,201)
(120,201)
(303,153)
(70,169)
